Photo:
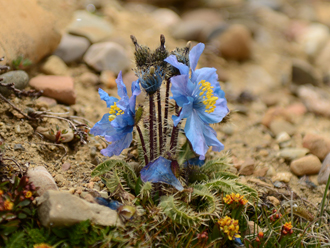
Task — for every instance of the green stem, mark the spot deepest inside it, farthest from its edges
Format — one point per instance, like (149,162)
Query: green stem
(323,200)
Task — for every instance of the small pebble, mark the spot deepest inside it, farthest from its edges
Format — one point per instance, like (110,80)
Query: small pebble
(282,177)
(280,126)
(108,78)
(247,167)
(273,200)
(307,165)
(19,147)
(54,66)
(66,166)
(282,137)
(292,153)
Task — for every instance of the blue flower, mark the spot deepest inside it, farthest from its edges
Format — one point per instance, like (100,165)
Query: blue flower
(159,171)
(202,101)
(152,79)
(194,161)
(117,125)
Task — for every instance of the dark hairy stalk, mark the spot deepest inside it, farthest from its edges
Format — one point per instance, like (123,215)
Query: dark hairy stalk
(167,94)
(160,127)
(175,132)
(153,145)
(143,145)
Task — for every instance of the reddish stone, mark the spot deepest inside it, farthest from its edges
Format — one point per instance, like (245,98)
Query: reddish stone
(275,113)
(60,88)
(317,145)
(297,109)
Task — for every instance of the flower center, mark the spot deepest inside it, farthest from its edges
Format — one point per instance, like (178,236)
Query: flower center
(114,111)
(206,92)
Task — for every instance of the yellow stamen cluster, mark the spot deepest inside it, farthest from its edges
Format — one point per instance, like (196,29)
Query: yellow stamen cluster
(8,205)
(1,192)
(288,226)
(230,227)
(236,198)
(28,194)
(42,245)
(114,111)
(208,99)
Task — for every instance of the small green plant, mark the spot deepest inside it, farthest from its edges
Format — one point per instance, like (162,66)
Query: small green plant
(21,63)
(16,205)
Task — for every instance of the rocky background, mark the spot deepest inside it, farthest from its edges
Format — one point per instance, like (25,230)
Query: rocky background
(273,61)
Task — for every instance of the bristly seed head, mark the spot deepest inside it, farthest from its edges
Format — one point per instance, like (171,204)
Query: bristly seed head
(151,79)
(142,53)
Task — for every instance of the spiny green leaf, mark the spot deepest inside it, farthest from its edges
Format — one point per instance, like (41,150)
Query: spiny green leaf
(214,166)
(179,212)
(105,167)
(211,200)
(16,240)
(145,190)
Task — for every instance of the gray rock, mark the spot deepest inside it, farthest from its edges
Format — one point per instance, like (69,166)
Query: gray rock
(324,172)
(304,73)
(61,209)
(107,56)
(293,153)
(42,179)
(54,65)
(94,28)
(166,17)
(19,78)
(72,48)
(197,24)
(307,165)
(19,147)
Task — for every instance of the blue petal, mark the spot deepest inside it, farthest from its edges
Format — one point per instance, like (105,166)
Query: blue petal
(220,111)
(195,161)
(136,90)
(114,205)
(186,111)
(103,127)
(159,171)
(211,139)
(116,147)
(238,241)
(194,133)
(172,60)
(108,99)
(194,55)
(124,120)
(122,92)
(181,87)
